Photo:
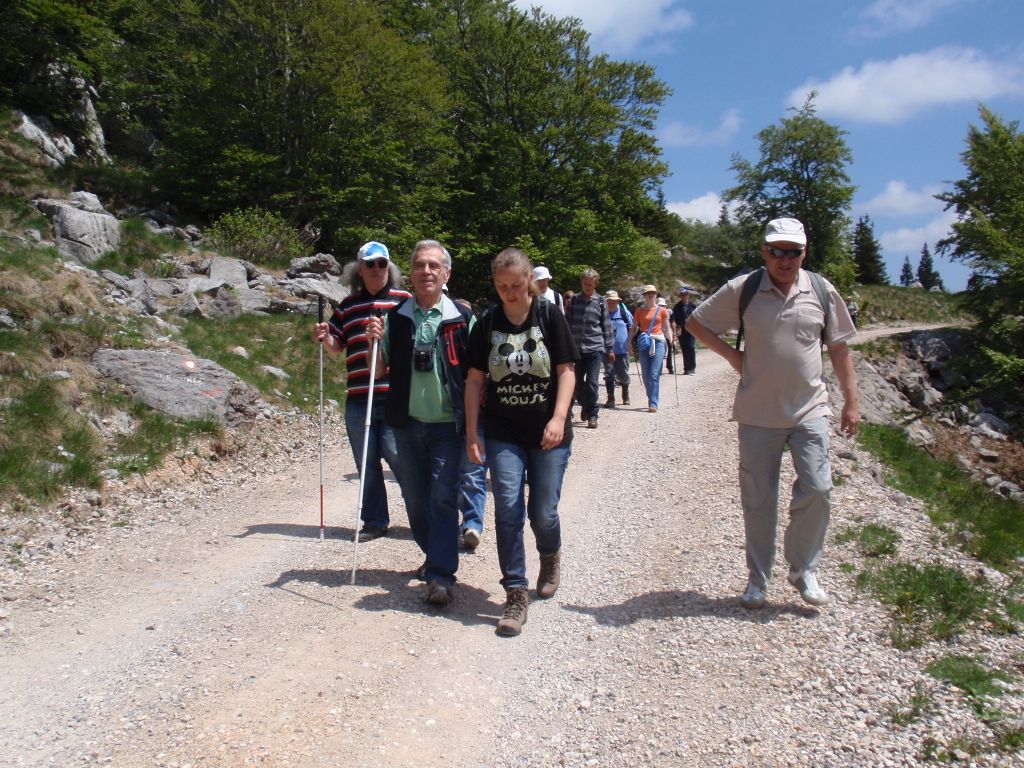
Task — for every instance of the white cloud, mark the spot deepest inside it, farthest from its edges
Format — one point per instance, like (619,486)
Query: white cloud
(897,199)
(885,17)
(908,240)
(892,91)
(678,134)
(707,208)
(619,26)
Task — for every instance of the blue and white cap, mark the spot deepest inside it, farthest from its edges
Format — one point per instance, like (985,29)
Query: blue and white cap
(374,250)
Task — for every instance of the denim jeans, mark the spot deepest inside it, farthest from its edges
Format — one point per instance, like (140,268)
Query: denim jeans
(472,490)
(428,474)
(545,470)
(650,371)
(381,445)
(588,375)
(689,347)
(809,508)
(617,372)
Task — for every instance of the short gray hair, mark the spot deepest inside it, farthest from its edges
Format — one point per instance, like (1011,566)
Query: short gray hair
(424,245)
(590,274)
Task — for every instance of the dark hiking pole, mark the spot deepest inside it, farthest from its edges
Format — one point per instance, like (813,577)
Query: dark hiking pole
(320,316)
(675,374)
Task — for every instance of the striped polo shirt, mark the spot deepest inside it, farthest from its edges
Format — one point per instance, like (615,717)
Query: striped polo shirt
(348,326)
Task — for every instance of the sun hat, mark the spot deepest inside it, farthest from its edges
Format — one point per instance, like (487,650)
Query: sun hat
(785,231)
(541,273)
(683,290)
(662,302)
(373,250)
(612,296)
(649,289)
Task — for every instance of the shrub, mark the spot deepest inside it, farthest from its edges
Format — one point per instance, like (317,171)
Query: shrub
(253,234)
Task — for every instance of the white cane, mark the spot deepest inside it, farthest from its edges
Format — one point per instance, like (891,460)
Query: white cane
(320,315)
(362,464)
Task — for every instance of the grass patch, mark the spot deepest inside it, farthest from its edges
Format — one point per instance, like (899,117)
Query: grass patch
(872,540)
(929,601)
(889,304)
(916,706)
(140,248)
(969,675)
(953,499)
(155,436)
(283,342)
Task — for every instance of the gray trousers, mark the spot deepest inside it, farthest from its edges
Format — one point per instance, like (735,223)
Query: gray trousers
(760,461)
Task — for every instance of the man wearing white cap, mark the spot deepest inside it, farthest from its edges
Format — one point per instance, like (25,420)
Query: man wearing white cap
(781,401)
(542,277)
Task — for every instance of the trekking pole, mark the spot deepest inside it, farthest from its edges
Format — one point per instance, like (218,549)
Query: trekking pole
(366,445)
(320,316)
(675,374)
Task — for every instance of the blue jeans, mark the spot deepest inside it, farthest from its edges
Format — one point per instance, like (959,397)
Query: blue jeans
(381,445)
(428,474)
(617,372)
(650,371)
(588,376)
(809,508)
(545,470)
(472,490)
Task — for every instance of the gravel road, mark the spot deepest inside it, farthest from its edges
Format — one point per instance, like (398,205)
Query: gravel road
(205,624)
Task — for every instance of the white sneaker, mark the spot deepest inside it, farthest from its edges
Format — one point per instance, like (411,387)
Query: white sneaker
(810,592)
(754,597)
(470,539)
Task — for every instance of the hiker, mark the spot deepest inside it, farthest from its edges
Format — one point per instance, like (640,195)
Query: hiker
(618,369)
(687,344)
(522,351)
(653,334)
(373,279)
(781,401)
(851,307)
(670,348)
(542,277)
(423,345)
(592,331)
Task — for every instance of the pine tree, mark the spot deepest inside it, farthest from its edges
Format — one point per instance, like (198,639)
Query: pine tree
(907,273)
(867,253)
(926,273)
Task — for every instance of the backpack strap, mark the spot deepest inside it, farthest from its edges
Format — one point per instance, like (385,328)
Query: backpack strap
(753,282)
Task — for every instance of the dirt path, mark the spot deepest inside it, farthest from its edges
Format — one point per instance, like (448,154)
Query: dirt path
(216,630)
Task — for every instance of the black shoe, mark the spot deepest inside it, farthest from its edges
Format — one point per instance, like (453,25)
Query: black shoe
(370,532)
(421,572)
(592,422)
(439,594)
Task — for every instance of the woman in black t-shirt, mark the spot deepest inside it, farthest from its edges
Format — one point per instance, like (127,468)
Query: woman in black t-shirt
(523,352)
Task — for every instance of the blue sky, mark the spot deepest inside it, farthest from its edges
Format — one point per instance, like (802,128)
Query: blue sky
(904,78)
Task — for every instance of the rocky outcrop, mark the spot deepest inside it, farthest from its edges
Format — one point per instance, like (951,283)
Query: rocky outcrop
(83,231)
(56,148)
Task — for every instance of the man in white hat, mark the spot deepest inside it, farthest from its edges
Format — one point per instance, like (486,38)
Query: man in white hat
(781,401)
(542,277)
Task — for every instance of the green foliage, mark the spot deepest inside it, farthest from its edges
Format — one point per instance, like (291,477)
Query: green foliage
(801,173)
(889,304)
(969,675)
(997,524)
(929,601)
(906,273)
(917,705)
(154,436)
(283,342)
(867,254)
(262,237)
(140,248)
(872,539)
(927,275)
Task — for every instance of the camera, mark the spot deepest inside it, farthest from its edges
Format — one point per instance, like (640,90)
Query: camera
(423,357)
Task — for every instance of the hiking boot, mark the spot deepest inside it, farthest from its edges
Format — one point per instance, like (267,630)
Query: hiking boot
(550,575)
(754,597)
(511,622)
(610,402)
(592,422)
(652,409)
(421,572)
(625,394)
(439,594)
(470,539)
(369,533)
(810,592)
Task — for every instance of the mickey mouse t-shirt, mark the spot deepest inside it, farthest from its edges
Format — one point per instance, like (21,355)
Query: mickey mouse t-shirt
(522,363)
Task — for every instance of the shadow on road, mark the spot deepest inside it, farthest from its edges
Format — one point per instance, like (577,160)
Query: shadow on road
(297,531)
(401,592)
(672,604)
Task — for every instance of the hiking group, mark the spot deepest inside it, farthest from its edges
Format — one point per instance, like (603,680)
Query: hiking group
(456,396)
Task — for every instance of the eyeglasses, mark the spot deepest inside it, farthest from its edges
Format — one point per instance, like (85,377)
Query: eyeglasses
(378,263)
(786,253)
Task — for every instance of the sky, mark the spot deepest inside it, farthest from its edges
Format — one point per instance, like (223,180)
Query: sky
(903,78)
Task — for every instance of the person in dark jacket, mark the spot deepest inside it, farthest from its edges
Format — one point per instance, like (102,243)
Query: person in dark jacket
(423,352)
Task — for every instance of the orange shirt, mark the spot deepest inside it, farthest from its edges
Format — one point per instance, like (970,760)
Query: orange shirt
(642,317)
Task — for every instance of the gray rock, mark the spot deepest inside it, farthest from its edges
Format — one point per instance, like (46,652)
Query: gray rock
(318,264)
(81,235)
(87,201)
(196,285)
(253,302)
(306,287)
(990,425)
(240,351)
(7,319)
(58,375)
(276,372)
(225,304)
(988,455)
(56,149)
(228,271)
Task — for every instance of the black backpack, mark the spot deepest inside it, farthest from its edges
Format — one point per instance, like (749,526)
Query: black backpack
(753,282)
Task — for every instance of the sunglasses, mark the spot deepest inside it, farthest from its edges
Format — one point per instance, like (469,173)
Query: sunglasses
(786,253)
(378,263)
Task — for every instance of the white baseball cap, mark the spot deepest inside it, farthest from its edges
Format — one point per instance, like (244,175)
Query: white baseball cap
(785,231)
(541,273)
(373,250)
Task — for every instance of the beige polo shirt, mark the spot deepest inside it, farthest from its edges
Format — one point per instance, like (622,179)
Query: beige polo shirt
(780,385)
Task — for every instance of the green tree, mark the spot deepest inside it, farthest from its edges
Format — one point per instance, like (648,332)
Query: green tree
(907,273)
(801,173)
(927,275)
(867,254)
(988,235)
